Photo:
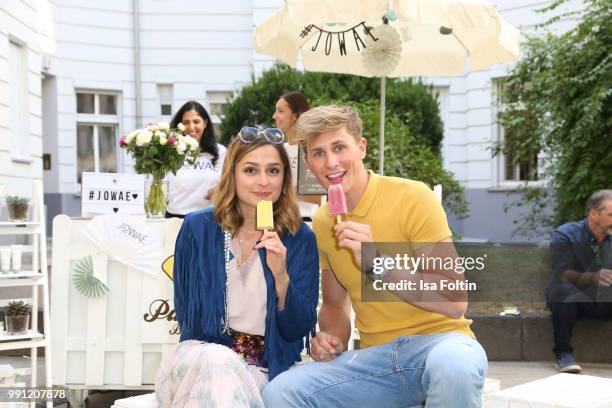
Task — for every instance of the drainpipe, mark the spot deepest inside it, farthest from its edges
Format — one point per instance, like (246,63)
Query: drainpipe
(137,83)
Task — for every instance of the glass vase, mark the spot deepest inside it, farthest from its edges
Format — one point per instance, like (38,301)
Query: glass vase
(156,197)
(17,324)
(17,212)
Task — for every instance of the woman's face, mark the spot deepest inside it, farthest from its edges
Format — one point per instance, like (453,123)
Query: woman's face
(284,116)
(259,176)
(194,124)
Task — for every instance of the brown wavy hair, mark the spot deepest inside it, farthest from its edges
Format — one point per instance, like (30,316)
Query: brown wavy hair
(225,200)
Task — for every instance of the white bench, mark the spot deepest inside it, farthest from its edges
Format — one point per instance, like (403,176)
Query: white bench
(558,391)
(148,400)
(139,401)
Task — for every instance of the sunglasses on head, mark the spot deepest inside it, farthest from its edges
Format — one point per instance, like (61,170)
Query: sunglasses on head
(251,134)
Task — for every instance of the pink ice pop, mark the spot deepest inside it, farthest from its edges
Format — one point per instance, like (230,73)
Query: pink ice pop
(337,201)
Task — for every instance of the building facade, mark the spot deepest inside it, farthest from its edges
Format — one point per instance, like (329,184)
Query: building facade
(75,75)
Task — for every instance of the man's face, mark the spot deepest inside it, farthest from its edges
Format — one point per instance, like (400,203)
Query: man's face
(602,219)
(336,158)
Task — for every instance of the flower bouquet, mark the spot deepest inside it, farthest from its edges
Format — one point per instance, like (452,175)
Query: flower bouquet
(157,150)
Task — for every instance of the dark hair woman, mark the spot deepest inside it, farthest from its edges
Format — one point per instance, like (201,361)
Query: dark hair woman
(190,189)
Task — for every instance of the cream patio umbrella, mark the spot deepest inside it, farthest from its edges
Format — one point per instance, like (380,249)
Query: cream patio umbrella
(388,38)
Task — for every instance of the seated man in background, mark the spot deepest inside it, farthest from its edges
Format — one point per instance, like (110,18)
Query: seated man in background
(579,286)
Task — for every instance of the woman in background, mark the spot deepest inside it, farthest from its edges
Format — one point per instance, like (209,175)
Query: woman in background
(288,109)
(189,189)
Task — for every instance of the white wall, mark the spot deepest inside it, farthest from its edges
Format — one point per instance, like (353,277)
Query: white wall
(198,47)
(25,23)
(94,52)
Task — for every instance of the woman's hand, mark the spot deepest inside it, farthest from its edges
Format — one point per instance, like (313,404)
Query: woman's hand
(276,258)
(276,253)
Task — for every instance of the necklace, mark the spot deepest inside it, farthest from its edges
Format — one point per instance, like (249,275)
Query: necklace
(225,329)
(243,250)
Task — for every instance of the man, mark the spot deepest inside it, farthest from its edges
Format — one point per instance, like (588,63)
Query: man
(415,349)
(579,286)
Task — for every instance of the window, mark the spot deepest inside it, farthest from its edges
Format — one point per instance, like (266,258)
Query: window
(97,132)
(164,93)
(216,102)
(18,83)
(97,104)
(526,168)
(85,103)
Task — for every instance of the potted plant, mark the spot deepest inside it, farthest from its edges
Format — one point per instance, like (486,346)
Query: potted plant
(17,317)
(17,207)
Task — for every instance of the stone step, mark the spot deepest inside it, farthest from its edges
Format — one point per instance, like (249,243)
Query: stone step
(530,338)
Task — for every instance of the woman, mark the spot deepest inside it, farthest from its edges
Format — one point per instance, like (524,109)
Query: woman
(244,299)
(288,109)
(189,189)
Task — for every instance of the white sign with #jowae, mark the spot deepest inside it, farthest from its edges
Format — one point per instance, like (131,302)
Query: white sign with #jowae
(108,193)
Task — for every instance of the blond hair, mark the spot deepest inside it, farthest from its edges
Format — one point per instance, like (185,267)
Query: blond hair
(225,200)
(328,118)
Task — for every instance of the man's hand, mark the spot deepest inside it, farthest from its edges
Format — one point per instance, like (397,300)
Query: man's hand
(351,234)
(604,277)
(325,347)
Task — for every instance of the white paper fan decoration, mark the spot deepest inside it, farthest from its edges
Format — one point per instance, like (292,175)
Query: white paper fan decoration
(381,57)
(127,240)
(84,279)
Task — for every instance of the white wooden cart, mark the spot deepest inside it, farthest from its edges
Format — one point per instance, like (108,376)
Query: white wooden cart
(111,341)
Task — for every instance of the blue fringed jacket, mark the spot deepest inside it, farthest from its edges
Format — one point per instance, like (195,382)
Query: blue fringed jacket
(199,290)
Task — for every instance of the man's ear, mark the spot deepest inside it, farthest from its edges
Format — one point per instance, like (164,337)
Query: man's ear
(362,145)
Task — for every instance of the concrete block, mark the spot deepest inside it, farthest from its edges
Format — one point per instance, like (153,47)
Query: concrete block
(500,337)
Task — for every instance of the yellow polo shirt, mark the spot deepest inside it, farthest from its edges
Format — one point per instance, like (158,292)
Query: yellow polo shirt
(397,210)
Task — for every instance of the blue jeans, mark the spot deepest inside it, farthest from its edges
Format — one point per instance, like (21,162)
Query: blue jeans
(438,370)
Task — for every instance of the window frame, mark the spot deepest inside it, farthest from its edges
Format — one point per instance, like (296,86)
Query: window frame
(500,180)
(96,120)
(165,97)
(213,97)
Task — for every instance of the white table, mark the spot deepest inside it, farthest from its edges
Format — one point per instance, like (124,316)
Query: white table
(558,391)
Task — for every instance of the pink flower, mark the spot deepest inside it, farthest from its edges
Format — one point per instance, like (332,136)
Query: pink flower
(171,139)
(122,142)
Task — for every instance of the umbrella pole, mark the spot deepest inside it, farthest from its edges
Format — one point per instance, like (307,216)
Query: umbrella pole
(381,143)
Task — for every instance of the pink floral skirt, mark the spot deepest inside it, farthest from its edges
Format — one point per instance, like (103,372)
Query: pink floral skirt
(197,374)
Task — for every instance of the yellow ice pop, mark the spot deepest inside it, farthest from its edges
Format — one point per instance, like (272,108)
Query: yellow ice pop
(265,216)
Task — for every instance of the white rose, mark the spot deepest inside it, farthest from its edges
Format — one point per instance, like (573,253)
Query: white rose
(163,140)
(181,147)
(193,142)
(143,138)
(151,127)
(131,136)
(163,126)
(181,127)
